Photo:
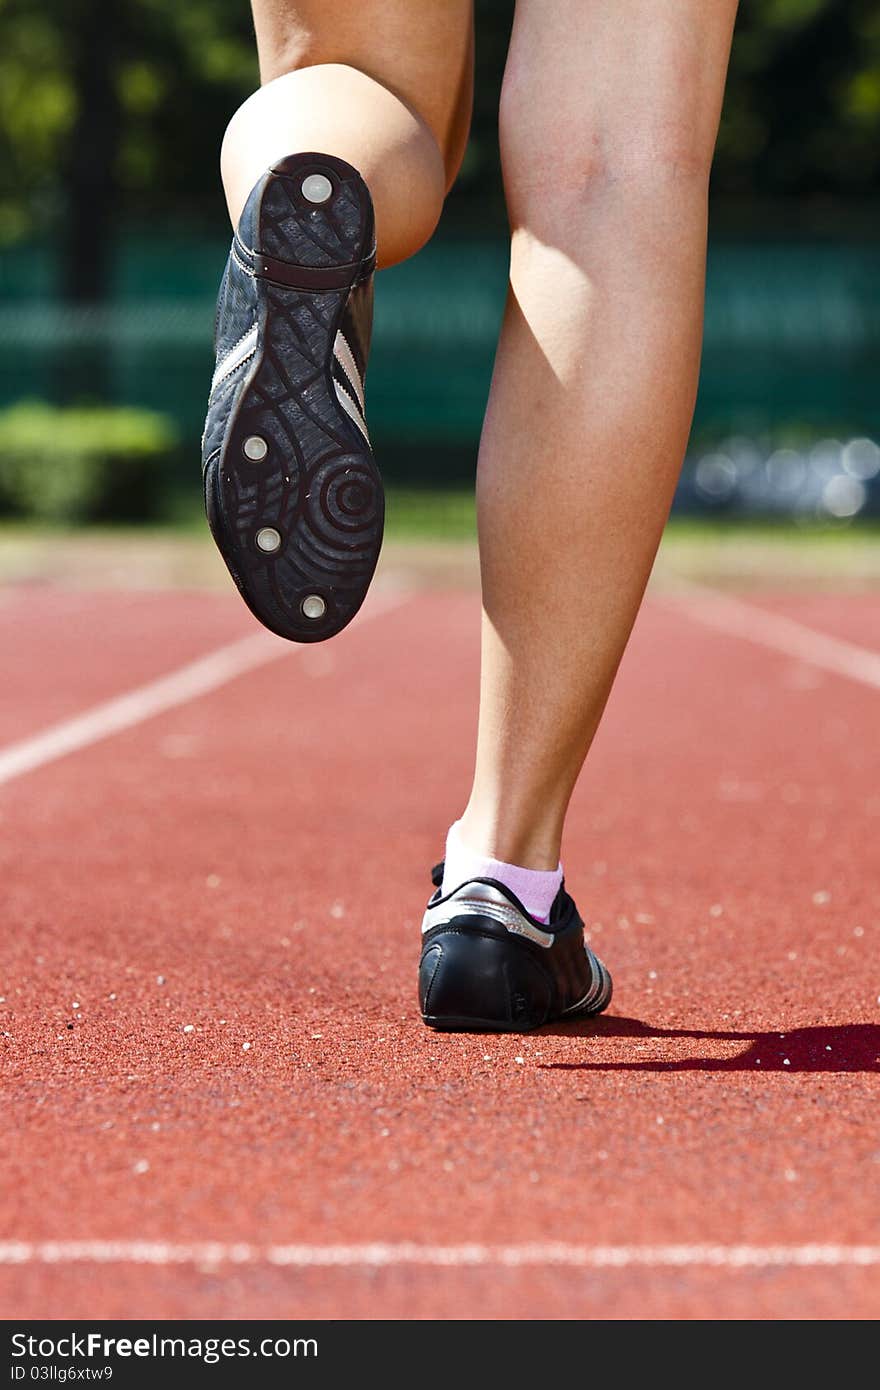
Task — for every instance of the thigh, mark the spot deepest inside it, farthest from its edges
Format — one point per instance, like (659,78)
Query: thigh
(422,50)
(620,85)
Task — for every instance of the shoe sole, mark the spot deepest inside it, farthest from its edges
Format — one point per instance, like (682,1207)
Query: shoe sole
(451,1024)
(315,495)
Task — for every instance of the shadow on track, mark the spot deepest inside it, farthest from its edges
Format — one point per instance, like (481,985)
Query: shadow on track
(848,1047)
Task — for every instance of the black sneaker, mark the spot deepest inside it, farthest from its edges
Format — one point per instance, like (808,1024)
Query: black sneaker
(293,496)
(488,964)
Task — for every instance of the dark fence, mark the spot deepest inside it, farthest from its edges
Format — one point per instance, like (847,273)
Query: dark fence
(792,343)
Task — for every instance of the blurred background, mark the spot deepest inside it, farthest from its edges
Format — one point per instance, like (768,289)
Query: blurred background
(114,235)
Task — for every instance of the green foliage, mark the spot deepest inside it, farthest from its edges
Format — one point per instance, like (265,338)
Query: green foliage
(802,116)
(802,111)
(83,463)
(178,72)
(37,104)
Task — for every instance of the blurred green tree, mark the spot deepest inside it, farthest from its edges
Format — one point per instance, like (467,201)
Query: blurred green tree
(802,112)
(112,111)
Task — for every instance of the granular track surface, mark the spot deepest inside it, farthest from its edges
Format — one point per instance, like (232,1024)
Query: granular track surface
(209,1022)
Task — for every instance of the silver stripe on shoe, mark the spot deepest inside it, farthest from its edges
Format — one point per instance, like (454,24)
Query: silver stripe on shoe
(350,408)
(597,986)
(581,1003)
(237,354)
(346,360)
(486,901)
(596,999)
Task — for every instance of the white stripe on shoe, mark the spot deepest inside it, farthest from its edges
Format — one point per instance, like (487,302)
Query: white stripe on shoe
(239,353)
(481,899)
(345,358)
(350,408)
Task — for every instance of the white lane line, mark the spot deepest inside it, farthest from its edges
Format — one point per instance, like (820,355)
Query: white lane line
(389,1255)
(741,619)
(189,682)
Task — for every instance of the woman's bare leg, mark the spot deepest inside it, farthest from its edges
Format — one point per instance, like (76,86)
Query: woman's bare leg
(382,84)
(595,379)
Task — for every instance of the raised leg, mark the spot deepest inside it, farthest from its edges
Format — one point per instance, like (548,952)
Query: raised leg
(608,123)
(343,157)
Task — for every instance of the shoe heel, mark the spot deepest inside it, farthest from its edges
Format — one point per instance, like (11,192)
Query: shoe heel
(473,982)
(315,224)
(294,498)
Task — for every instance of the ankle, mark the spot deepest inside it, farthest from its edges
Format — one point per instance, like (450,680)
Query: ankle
(536,889)
(529,846)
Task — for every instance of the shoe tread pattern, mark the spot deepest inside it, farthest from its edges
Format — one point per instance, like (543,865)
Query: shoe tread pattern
(318,485)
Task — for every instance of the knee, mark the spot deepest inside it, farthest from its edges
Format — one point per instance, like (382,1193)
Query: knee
(557,165)
(390,144)
(285,50)
(341,110)
(408,185)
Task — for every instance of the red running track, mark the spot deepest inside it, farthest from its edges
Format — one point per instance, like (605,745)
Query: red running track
(208,984)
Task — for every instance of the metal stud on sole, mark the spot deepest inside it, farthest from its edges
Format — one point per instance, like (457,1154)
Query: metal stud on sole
(255,448)
(316,188)
(268,539)
(313,606)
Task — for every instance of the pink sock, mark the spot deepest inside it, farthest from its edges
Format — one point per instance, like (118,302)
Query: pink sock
(535,888)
